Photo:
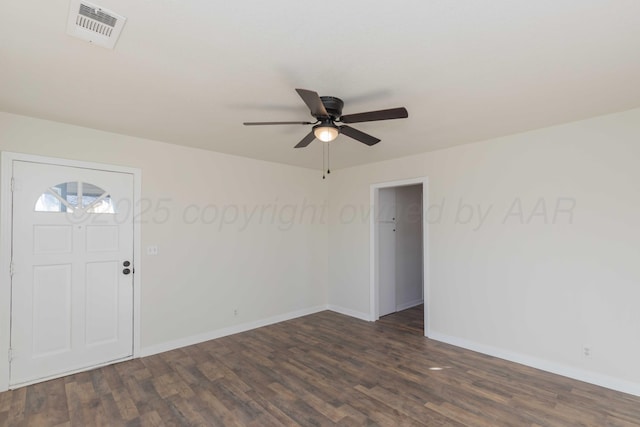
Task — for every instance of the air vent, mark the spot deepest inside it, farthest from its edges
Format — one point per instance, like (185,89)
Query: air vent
(94,24)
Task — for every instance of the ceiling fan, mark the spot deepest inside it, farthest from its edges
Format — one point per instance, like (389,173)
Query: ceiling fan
(327,111)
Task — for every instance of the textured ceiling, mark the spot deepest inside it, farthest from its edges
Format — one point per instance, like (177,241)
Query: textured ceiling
(190,72)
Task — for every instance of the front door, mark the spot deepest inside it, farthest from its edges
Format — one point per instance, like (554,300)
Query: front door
(72,269)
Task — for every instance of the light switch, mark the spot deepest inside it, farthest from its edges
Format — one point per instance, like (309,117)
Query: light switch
(152,250)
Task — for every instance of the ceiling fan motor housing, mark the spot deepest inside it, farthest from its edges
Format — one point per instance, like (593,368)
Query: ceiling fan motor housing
(333,106)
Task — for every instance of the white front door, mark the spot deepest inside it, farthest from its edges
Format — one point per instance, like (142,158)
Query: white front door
(72,281)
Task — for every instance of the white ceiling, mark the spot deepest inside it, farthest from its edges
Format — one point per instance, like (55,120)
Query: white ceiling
(191,71)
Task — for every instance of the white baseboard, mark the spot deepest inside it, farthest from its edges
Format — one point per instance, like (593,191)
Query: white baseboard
(409,304)
(219,333)
(545,365)
(349,312)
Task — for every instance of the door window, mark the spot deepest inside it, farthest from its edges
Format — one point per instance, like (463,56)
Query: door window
(75,197)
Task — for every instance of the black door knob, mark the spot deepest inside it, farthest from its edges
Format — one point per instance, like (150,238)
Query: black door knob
(126,271)
(126,263)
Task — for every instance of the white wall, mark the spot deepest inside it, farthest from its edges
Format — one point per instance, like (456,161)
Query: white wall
(269,260)
(409,256)
(535,287)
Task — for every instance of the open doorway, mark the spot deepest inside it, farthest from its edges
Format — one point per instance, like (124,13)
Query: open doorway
(398,254)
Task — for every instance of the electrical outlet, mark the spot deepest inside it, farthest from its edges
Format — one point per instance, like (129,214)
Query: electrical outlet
(235,311)
(586,352)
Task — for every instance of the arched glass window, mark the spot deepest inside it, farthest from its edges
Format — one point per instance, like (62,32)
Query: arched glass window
(75,197)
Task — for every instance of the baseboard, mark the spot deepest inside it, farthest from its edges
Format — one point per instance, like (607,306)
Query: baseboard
(231,330)
(349,312)
(544,365)
(409,304)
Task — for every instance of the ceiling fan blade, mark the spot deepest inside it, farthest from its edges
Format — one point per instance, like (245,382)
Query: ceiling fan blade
(275,123)
(365,138)
(372,116)
(306,140)
(314,102)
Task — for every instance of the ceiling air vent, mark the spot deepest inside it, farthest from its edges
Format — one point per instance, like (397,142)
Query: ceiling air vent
(94,23)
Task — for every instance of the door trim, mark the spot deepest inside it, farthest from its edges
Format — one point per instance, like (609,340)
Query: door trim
(6,221)
(374,285)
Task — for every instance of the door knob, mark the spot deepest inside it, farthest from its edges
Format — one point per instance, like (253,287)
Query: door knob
(126,271)
(126,263)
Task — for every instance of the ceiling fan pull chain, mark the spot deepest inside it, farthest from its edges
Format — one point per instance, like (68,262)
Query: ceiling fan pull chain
(328,159)
(323,161)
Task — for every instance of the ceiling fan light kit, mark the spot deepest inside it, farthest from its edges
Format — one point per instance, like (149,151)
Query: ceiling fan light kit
(326,132)
(327,110)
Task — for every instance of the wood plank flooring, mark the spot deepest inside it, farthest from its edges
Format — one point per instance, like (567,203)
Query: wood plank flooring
(320,370)
(410,320)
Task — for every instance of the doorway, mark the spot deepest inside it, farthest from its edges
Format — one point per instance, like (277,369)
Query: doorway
(399,251)
(71,270)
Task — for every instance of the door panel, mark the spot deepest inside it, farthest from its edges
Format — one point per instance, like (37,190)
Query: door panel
(102,238)
(101,314)
(52,239)
(51,298)
(72,306)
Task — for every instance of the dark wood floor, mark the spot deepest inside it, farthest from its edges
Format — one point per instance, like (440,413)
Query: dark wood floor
(323,369)
(410,320)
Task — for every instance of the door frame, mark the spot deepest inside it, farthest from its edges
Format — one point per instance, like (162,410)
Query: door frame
(6,235)
(374,283)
